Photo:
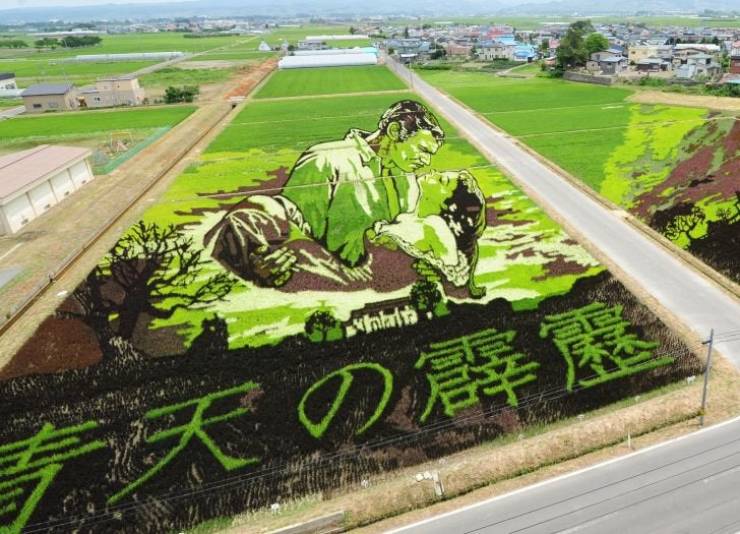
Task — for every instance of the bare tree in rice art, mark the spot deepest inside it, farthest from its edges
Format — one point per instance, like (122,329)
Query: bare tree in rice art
(151,270)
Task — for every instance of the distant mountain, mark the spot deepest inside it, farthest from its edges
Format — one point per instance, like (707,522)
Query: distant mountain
(328,8)
(267,8)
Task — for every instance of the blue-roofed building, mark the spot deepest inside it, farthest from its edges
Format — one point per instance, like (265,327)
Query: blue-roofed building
(524,52)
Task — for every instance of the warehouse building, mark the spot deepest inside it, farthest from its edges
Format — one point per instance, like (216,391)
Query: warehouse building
(337,51)
(328,60)
(32,181)
(50,97)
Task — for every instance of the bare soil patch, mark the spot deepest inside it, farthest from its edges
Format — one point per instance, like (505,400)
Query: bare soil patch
(677,99)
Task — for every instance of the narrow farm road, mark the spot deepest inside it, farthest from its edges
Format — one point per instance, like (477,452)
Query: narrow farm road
(693,299)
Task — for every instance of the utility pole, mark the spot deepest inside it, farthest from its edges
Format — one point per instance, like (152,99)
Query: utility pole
(709,344)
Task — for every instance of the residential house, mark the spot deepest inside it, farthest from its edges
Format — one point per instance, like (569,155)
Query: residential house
(684,50)
(607,63)
(458,50)
(409,46)
(50,97)
(636,53)
(652,64)
(113,92)
(523,52)
(735,58)
(491,50)
(7,81)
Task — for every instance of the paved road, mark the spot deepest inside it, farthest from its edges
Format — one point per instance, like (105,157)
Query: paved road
(690,485)
(698,303)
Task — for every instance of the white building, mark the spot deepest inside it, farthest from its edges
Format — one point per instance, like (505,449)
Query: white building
(32,181)
(327,60)
(347,37)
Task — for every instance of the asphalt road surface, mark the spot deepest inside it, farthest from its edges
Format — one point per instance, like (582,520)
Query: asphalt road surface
(688,485)
(697,302)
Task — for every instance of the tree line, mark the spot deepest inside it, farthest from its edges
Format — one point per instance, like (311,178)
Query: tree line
(70,41)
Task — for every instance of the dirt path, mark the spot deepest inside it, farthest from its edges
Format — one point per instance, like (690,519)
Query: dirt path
(66,230)
(721,103)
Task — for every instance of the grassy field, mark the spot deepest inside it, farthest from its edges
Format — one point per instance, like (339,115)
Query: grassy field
(50,126)
(31,71)
(135,128)
(330,80)
(134,42)
(32,66)
(668,165)
(10,102)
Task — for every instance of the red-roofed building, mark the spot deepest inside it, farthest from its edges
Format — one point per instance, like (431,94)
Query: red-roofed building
(34,180)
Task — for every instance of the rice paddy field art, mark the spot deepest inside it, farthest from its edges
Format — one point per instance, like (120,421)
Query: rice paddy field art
(339,287)
(676,168)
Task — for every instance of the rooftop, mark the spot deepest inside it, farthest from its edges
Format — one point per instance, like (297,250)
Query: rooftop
(21,169)
(46,89)
(6,75)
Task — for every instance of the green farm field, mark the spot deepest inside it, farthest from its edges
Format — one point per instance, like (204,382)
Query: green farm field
(331,276)
(33,66)
(60,125)
(330,80)
(30,71)
(136,128)
(134,42)
(179,76)
(674,167)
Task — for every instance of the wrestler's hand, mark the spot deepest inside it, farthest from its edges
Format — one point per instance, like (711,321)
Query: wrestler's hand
(273,268)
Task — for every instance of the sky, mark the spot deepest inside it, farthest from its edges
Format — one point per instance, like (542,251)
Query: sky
(43,3)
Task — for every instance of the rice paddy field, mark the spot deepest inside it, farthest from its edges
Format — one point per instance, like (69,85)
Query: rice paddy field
(30,71)
(327,81)
(34,66)
(186,76)
(676,168)
(309,291)
(130,129)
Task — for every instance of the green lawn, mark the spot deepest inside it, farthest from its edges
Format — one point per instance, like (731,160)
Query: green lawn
(330,80)
(50,126)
